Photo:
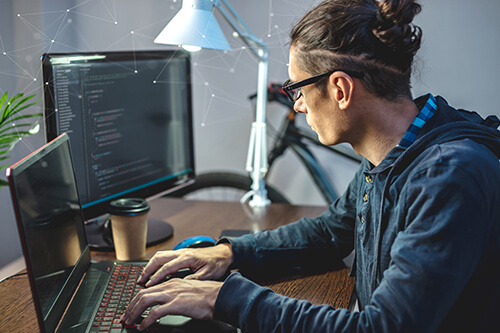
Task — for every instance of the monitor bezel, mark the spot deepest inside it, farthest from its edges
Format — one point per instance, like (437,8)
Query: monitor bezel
(151,191)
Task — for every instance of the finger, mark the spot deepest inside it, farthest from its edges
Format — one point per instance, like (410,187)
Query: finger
(144,299)
(153,316)
(159,259)
(193,277)
(167,269)
(137,309)
(151,267)
(127,316)
(200,274)
(204,272)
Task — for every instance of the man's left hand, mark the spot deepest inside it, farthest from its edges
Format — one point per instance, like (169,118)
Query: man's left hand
(190,298)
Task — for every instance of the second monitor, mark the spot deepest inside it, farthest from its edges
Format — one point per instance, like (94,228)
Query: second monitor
(129,119)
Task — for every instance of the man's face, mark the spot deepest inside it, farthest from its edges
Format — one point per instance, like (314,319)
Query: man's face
(322,112)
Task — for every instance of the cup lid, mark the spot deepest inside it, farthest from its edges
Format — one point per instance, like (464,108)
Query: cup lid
(128,206)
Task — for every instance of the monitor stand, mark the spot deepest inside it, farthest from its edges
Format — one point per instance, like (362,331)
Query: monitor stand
(100,237)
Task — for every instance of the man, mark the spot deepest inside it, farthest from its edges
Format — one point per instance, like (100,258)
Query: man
(422,212)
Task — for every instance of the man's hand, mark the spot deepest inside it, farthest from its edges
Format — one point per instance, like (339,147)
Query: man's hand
(190,298)
(206,263)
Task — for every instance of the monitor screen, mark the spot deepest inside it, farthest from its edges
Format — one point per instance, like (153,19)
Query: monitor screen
(129,119)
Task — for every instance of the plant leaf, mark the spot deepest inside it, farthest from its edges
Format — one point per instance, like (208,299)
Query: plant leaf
(31,115)
(23,100)
(17,134)
(4,98)
(15,127)
(5,151)
(14,110)
(10,132)
(19,107)
(14,105)
(4,138)
(7,107)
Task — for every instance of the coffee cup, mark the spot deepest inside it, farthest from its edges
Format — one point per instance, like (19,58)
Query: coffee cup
(129,225)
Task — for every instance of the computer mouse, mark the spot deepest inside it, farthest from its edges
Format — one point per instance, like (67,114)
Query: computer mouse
(180,274)
(195,242)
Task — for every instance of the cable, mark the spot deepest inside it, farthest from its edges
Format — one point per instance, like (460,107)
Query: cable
(13,276)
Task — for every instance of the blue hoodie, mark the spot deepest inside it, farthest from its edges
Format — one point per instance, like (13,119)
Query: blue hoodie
(425,224)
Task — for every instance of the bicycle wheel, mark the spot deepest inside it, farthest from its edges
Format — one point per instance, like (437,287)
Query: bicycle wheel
(222,186)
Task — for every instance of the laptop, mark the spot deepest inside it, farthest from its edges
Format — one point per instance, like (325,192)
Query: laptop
(69,290)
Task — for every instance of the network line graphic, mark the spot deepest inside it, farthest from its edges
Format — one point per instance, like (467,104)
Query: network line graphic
(101,25)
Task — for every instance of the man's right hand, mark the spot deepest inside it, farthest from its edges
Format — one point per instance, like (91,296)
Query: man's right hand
(206,263)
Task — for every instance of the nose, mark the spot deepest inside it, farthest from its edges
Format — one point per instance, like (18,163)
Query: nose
(299,106)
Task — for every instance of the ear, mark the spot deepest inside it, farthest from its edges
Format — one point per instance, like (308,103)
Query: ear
(343,88)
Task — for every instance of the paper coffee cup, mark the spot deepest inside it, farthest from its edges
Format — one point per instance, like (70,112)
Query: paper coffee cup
(129,225)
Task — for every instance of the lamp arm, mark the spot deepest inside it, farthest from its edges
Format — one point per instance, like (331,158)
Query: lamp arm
(258,47)
(257,149)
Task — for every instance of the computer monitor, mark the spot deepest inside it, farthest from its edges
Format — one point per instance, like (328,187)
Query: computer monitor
(128,116)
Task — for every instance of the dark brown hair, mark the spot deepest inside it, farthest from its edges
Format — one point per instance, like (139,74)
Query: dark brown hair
(373,37)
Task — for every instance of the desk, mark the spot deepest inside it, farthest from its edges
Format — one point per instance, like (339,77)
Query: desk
(189,218)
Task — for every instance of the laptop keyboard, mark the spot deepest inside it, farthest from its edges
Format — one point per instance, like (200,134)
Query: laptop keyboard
(120,291)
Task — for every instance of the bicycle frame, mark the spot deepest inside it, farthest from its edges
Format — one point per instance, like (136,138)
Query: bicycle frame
(290,136)
(221,184)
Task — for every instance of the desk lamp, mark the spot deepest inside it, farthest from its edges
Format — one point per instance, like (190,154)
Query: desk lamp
(195,27)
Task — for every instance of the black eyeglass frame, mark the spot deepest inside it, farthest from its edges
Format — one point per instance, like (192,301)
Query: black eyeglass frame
(288,86)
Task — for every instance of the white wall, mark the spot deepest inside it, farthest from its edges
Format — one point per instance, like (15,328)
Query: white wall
(458,60)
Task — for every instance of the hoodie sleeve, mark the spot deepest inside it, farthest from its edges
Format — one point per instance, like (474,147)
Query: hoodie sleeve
(300,244)
(253,308)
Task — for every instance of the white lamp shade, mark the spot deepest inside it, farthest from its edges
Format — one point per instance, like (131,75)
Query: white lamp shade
(194,27)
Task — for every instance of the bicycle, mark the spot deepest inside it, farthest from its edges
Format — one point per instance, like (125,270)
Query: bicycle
(228,186)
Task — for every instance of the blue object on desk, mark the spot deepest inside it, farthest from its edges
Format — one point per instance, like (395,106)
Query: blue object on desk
(195,242)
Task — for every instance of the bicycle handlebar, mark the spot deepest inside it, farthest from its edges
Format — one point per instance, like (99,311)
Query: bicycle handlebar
(275,93)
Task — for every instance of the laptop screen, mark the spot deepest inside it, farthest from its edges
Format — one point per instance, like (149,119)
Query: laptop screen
(49,219)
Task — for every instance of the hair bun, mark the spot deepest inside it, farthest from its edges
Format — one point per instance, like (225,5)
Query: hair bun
(393,26)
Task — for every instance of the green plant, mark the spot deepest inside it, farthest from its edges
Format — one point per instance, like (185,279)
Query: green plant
(13,125)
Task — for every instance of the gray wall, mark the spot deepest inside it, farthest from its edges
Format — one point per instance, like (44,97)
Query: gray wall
(459,60)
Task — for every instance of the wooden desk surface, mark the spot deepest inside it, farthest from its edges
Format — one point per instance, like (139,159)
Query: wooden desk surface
(190,218)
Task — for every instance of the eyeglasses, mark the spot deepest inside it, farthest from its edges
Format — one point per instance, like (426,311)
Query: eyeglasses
(294,92)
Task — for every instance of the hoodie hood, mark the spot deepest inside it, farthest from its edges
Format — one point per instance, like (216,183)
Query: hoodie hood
(449,124)
(446,125)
